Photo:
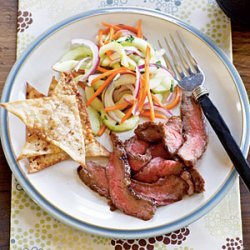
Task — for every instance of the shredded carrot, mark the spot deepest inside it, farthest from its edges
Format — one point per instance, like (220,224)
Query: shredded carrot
(128,27)
(157,101)
(176,100)
(105,74)
(101,130)
(82,85)
(115,27)
(121,26)
(152,111)
(118,106)
(106,31)
(101,69)
(143,94)
(117,34)
(109,53)
(100,41)
(107,82)
(139,29)
(157,115)
(111,34)
(128,113)
(146,74)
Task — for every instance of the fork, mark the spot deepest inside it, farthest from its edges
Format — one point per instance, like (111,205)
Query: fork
(191,78)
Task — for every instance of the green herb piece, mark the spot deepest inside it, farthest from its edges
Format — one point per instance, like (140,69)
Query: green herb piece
(105,117)
(130,39)
(171,87)
(158,64)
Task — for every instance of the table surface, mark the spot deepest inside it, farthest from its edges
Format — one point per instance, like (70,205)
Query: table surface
(8,14)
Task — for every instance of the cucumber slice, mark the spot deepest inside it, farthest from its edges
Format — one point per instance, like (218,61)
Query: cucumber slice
(139,43)
(110,123)
(65,66)
(114,46)
(96,103)
(129,124)
(77,54)
(94,120)
(96,85)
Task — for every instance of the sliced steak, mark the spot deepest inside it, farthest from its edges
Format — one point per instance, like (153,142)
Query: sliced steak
(118,173)
(172,134)
(186,176)
(94,176)
(165,191)
(158,150)
(149,132)
(194,131)
(137,153)
(199,183)
(157,168)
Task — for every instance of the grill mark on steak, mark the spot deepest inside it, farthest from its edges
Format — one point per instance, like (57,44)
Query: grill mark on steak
(194,131)
(157,168)
(165,191)
(149,132)
(172,134)
(137,153)
(118,173)
(94,176)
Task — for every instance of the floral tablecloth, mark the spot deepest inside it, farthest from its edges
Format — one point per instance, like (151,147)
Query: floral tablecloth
(32,228)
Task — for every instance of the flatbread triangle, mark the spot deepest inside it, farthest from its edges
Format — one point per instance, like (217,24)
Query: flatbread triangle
(56,119)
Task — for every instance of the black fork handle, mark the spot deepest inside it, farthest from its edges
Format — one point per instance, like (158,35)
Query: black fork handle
(226,138)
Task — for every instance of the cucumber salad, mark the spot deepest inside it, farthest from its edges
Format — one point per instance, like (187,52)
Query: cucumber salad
(122,76)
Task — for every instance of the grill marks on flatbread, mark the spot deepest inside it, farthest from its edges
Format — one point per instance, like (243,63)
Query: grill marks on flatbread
(56,119)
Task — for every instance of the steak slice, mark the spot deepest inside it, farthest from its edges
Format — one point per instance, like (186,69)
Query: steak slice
(165,191)
(94,176)
(137,153)
(199,183)
(149,132)
(172,134)
(194,131)
(158,150)
(157,168)
(186,176)
(118,173)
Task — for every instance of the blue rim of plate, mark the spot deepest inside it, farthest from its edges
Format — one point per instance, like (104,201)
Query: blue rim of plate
(66,219)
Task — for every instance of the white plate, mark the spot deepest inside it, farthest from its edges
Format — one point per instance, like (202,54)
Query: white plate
(58,189)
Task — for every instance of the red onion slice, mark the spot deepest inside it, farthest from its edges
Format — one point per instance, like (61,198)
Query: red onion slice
(132,49)
(164,111)
(95,56)
(153,65)
(137,89)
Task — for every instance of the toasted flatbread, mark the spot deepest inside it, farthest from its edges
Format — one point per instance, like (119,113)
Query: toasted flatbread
(67,86)
(35,145)
(52,86)
(56,119)
(41,162)
(32,93)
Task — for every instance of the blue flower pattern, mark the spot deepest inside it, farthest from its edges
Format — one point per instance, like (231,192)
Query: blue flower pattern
(168,6)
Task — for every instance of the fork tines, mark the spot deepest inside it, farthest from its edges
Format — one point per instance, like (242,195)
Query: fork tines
(178,58)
